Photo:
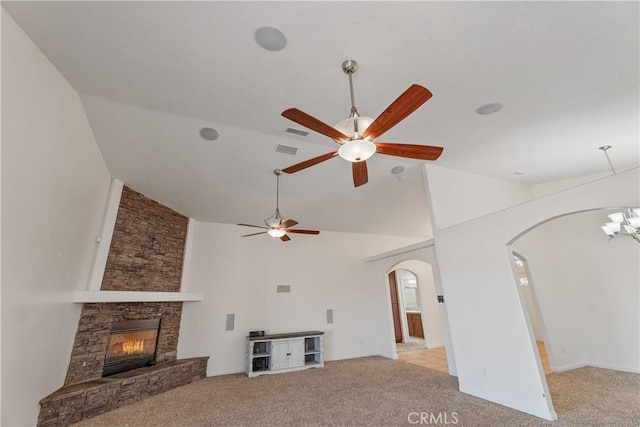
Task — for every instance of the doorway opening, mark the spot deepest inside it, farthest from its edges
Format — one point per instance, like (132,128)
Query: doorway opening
(416,315)
(531,307)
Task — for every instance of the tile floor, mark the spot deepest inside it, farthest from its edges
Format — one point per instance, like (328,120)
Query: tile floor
(414,352)
(436,358)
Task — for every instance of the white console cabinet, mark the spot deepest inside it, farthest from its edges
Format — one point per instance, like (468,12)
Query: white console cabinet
(277,353)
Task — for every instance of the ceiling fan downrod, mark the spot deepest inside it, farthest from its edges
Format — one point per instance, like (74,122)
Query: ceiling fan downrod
(275,220)
(349,67)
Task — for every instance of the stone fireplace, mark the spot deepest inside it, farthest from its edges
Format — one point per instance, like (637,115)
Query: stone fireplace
(131,345)
(126,351)
(89,352)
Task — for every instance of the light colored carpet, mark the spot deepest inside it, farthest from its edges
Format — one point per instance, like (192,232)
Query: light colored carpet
(374,391)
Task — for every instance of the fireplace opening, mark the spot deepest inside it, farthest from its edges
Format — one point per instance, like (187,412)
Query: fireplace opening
(132,344)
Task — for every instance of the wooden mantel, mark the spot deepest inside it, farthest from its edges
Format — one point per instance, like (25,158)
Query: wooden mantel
(134,296)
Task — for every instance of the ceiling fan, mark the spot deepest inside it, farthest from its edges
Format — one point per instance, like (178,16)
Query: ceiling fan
(276,226)
(357,134)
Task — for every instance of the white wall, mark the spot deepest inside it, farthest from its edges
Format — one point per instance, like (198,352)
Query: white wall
(546,188)
(587,288)
(54,186)
(495,349)
(455,196)
(239,275)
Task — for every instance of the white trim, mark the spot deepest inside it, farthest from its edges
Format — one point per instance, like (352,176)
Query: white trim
(434,345)
(106,233)
(400,251)
(614,367)
(599,365)
(134,296)
(569,367)
(188,248)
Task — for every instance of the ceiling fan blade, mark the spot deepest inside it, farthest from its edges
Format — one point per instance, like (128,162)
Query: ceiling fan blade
(256,226)
(312,123)
(288,223)
(412,151)
(404,105)
(303,231)
(308,163)
(285,238)
(360,175)
(254,234)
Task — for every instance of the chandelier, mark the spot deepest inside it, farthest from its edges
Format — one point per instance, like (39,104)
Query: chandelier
(624,224)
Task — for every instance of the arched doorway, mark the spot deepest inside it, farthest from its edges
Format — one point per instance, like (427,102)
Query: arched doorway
(531,307)
(585,292)
(416,315)
(494,350)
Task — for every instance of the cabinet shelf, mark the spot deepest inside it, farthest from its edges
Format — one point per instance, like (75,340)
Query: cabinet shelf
(261,355)
(274,354)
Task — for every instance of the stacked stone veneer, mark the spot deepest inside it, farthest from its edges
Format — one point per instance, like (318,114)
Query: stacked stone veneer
(146,255)
(147,247)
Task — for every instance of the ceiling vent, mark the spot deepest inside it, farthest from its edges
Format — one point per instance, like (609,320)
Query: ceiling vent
(296,132)
(285,149)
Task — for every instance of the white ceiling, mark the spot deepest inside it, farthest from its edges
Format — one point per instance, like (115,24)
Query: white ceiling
(151,74)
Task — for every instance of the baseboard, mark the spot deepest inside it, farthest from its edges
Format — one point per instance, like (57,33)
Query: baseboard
(431,345)
(569,367)
(577,365)
(614,367)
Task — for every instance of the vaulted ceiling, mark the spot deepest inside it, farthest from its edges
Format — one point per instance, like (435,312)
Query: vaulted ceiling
(152,74)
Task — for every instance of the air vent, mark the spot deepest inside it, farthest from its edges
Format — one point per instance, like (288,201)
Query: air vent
(296,132)
(283,289)
(285,149)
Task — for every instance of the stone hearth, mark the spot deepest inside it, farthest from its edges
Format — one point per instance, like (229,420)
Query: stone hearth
(88,399)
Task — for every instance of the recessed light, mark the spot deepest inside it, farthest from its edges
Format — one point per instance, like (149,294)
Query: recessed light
(270,38)
(489,108)
(209,134)
(397,170)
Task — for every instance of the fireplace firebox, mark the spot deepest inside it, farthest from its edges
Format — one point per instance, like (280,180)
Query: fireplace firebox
(132,344)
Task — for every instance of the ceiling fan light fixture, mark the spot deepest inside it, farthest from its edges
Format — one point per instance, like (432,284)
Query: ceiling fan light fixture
(348,126)
(276,232)
(357,150)
(275,220)
(356,135)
